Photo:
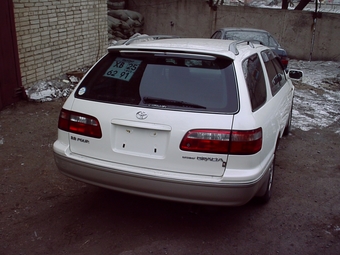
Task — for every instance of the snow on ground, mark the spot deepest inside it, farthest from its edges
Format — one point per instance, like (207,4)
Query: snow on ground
(317,97)
(316,100)
(48,90)
(330,6)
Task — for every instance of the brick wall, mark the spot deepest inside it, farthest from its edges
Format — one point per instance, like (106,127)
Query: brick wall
(57,36)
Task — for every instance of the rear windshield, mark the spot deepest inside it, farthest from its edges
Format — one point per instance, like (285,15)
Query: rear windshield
(263,38)
(163,81)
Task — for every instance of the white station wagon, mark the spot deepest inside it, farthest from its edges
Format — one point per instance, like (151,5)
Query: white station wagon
(190,120)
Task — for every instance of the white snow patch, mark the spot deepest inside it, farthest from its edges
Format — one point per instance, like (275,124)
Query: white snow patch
(318,105)
(44,91)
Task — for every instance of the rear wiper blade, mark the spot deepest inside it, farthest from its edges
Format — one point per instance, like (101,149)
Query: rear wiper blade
(161,101)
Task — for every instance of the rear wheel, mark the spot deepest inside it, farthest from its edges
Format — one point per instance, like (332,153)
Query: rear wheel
(269,184)
(287,129)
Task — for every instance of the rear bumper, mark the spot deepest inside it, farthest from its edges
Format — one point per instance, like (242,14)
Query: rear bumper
(209,193)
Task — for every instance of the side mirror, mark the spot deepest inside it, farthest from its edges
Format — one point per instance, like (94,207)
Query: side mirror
(295,74)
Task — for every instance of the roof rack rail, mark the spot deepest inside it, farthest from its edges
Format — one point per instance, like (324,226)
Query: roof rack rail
(148,38)
(233,46)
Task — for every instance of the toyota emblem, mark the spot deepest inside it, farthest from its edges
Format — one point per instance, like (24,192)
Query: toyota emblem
(141,115)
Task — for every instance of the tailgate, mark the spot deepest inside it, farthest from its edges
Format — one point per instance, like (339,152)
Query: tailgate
(149,138)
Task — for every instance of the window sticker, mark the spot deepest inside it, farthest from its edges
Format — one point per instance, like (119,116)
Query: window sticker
(123,69)
(82,91)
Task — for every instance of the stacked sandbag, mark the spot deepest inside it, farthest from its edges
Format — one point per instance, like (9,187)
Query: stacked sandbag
(122,23)
(116,4)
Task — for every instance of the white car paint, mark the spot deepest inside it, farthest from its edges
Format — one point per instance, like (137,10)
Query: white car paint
(142,156)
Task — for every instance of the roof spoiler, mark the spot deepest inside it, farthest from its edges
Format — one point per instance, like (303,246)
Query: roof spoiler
(233,46)
(145,38)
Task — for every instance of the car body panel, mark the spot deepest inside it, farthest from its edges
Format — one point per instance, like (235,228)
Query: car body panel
(146,143)
(278,107)
(161,186)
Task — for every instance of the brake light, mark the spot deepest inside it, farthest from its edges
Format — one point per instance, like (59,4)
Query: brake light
(79,123)
(284,61)
(223,141)
(246,142)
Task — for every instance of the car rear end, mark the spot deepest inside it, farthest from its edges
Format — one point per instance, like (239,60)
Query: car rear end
(157,120)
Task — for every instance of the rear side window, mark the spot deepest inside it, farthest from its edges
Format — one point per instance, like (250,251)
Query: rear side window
(217,35)
(248,36)
(172,81)
(275,70)
(273,42)
(253,73)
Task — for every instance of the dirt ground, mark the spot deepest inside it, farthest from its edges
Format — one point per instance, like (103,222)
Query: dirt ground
(44,212)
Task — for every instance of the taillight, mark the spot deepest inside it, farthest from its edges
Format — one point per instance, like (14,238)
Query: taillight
(213,141)
(246,142)
(284,61)
(223,141)
(79,123)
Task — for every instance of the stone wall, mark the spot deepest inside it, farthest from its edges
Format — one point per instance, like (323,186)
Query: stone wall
(293,29)
(57,36)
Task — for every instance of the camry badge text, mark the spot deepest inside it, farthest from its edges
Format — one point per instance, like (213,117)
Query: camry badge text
(141,115)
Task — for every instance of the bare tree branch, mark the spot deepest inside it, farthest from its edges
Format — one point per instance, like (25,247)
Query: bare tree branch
(302,4)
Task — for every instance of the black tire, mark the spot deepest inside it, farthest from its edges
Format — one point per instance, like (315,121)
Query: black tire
(288,127)
(269,185)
